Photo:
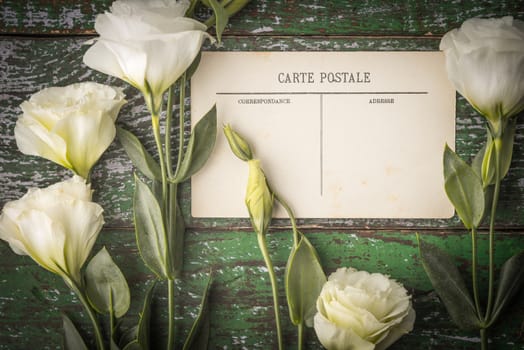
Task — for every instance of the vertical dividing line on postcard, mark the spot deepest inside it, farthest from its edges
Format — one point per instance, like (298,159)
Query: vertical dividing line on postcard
(321,145)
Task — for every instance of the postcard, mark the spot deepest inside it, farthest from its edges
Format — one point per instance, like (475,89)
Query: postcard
(339,134)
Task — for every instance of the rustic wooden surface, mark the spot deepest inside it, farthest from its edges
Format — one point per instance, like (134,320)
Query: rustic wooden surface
(41,45)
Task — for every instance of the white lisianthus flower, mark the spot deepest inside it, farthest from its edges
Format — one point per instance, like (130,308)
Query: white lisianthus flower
(359,310)
(149,44)
(56,226)
(485,62)
(71,125)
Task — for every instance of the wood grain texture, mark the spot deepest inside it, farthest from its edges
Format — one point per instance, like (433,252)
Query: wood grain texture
(29,65)
(43,46)
(276,17)
(241,318)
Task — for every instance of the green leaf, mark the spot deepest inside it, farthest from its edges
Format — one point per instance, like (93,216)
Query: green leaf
(176,230)
(511,280)
(476,163)
(507,147)
(72,339)
(191,10)
(199,334)
(143,322)
(156,189)
(149,229)
(106,286)
(464,189)
(200,146)
(234,6)
(304,280)
(193,67)
(133,345)
(488,163)
(221,18)
(506,151)
(129,341)
(137,338)
(113,345)
(449,285)
(139,156)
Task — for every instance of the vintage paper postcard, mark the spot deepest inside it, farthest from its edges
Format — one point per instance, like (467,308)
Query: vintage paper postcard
(339,134)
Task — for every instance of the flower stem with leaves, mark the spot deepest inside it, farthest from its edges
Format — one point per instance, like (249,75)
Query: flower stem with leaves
(304,276)
(488,74)
(89,311)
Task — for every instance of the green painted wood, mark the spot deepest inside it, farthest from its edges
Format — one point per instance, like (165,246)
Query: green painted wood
(276,17)
(31,298)
(29,65)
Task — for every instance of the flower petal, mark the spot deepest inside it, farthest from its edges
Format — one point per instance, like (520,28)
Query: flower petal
(34,139)
(485,62)
(87,137)
(119,60)
(43,240)
(169,56)
(333,337)
(9,232)
(398,331)
(73,188)
(83,223)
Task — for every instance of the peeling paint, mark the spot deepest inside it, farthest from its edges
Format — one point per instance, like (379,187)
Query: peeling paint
(262,30)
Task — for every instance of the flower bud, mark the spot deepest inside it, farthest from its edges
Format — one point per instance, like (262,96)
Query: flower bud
(238,145)
(259,199)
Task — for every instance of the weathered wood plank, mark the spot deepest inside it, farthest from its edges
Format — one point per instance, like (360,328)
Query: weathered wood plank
(28,65)
(276,17)
(31,298)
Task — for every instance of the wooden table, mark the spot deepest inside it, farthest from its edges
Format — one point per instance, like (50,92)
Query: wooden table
(42,45)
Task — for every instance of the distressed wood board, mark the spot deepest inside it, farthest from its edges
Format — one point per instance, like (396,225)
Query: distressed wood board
(42,46)
(276,17)
(31,299)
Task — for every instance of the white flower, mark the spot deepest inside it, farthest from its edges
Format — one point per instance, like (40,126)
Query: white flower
(485,62)
(56,226)
(359,310)
(149,44)
(71,125)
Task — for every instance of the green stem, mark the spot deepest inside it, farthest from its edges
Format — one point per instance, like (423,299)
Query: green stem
(231,7)
(155,121)
(167,136)
(296,237)
(112,323)
(263,248)
(300,335)
(165,210)
(181,121)
(89,310)
(496,192)
(191,10)
(165,203)
(474,262)
(172,201)
(483,339)
(170,222)
(171,314)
